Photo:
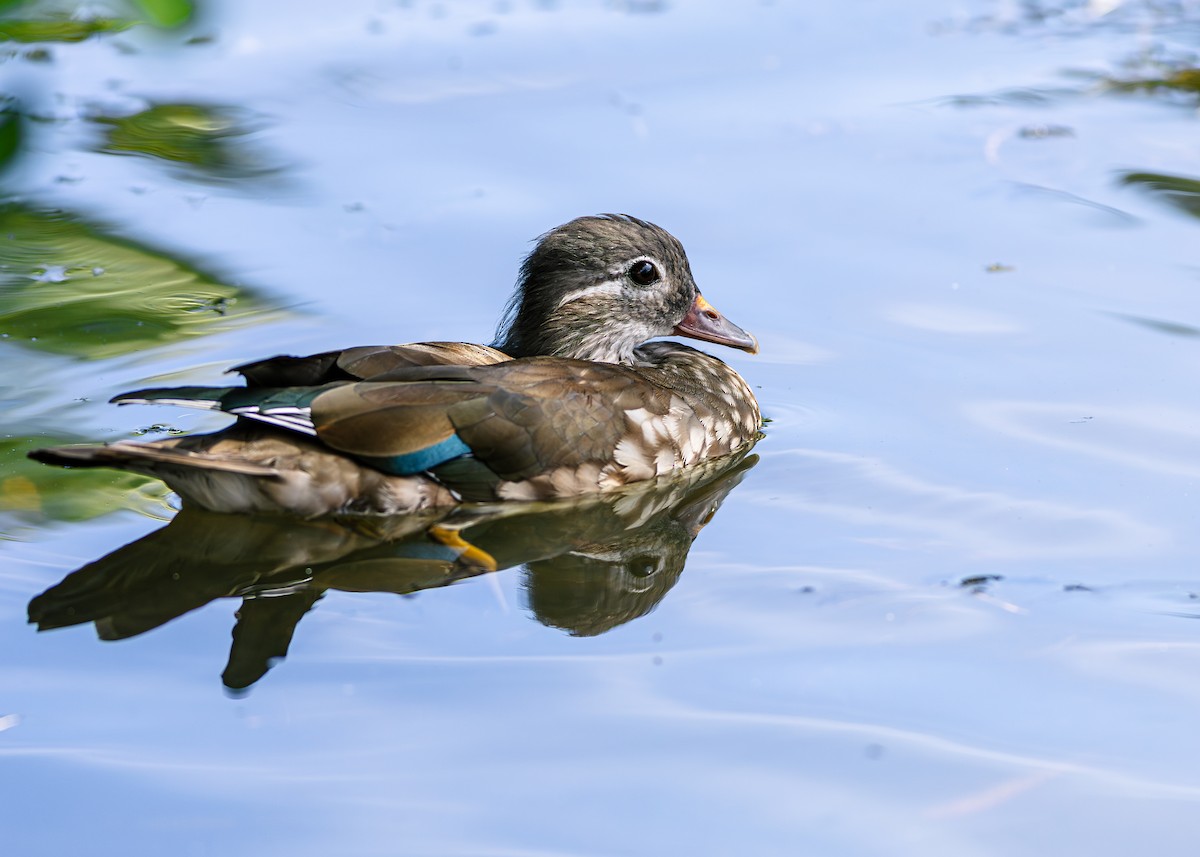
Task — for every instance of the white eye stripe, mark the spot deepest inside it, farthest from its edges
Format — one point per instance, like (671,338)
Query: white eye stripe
(615,286)
(609,287)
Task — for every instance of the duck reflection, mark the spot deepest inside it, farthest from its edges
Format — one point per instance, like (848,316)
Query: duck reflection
(591,564)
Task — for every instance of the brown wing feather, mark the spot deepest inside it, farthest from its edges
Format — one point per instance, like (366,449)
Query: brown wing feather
(288,371)
(373,361)
(386,419)
(519,418)
(363,362)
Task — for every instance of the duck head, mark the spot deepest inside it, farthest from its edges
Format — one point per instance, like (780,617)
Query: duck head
(598,287)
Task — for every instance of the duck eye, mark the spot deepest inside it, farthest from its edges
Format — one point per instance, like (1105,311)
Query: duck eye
(643,273)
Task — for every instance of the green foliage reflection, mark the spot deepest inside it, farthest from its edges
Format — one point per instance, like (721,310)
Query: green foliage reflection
(1177,191)
(32,490)
(10,135)
(58,21)
(68,288)
(1181,81)
(59,29)
(203,138)
(166,13)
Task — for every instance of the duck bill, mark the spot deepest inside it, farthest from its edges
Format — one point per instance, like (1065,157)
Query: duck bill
(704,322)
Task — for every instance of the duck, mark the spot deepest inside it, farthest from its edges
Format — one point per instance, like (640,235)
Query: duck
(578,395)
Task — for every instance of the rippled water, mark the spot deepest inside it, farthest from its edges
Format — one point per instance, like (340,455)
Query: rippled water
(947,613)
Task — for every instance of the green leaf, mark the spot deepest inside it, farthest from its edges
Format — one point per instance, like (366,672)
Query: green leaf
(68,287)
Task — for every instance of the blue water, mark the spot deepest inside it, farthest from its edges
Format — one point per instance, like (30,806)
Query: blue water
(948,613)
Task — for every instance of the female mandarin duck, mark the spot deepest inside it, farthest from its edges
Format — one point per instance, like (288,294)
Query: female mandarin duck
(572,400)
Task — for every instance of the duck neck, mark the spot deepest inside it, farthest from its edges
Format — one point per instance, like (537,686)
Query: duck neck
(568,337)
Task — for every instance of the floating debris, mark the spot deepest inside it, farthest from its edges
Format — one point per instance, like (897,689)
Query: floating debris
(978,582)
(1043,132)
(157,428)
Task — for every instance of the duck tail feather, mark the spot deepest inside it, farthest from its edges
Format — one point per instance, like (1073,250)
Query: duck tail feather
(205,398)
(144,458)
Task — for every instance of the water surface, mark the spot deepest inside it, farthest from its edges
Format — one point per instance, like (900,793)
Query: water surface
(949,611)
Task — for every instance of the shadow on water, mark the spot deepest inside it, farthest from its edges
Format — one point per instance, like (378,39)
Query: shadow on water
(590,564)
